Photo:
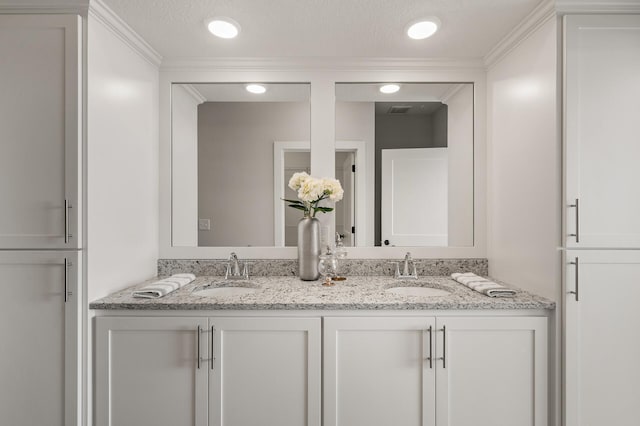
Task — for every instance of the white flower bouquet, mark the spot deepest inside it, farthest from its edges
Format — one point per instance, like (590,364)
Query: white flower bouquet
(311,191)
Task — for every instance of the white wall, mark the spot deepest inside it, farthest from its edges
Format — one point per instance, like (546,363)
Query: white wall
(235,167)
(355,121)
(460,152)
(122,164)
(524,165)
(184,170)
(525,177)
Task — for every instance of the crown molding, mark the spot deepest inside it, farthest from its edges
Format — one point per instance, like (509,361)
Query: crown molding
(534,20)
(600,6)
(60,8)
(315,63)
(195,93)
(451,92)
(117,26)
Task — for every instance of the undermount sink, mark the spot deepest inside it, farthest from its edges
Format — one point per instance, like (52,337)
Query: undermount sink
(226,289)
(417,289)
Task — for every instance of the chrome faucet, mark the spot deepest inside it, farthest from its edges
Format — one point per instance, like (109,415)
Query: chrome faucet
(233,269)
(409,269)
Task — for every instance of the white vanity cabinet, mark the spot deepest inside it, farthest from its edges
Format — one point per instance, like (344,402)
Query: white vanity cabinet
(601,344)
(491,371)
(40,131)
(39,340)
(265,371)
(148,371)
(248,371)
(444,371)
(602,130)
(376,371)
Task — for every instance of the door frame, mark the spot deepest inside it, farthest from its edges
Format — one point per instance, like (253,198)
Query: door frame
(282,147)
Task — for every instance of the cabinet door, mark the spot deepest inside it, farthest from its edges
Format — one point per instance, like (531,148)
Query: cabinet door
(265,371)
(602,130)
(491,372)
(39,335)
(39,131)
(148,371)
(377,372)
(602,292)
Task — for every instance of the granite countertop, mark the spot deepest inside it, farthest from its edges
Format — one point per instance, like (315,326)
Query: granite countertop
(356,293)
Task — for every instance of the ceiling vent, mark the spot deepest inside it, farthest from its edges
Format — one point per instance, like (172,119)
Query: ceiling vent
(399,109)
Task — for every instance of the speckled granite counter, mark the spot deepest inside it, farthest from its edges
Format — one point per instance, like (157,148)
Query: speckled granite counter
(356,293)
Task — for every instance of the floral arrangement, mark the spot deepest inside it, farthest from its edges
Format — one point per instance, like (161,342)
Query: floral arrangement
(313,190)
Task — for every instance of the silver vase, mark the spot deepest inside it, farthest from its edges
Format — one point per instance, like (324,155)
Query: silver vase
(308,248)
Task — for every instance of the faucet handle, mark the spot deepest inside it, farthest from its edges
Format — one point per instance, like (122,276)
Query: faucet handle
(414,270)
(245,270)
(396,273)
(227,272)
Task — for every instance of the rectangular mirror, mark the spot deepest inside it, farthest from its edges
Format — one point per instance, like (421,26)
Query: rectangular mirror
(412,152)
(222,160)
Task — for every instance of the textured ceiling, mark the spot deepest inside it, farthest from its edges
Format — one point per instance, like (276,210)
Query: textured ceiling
(322,28)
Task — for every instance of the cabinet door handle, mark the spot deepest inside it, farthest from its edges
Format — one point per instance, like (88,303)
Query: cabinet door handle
(66,279)
(430,358)
(577,207)
(212,356)
(577,278)
(67,235)
(198,347)
(444,347)
(67,292)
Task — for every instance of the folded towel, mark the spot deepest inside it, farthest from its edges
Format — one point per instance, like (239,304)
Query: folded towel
(164,287)
(483,285)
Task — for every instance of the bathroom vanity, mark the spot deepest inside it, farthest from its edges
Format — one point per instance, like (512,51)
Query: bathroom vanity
(298,353)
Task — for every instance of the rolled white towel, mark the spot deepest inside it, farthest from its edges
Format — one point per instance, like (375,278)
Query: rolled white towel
(483,285)
(163,287)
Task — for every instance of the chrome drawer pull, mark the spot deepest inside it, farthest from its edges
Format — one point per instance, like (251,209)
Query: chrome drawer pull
(577,234)
(577,279)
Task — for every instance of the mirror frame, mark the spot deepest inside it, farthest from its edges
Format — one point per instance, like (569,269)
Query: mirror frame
(322,79)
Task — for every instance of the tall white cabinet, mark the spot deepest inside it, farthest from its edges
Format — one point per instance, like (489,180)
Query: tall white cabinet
(601,347)
(40,240)
(38,330)
(602,131)
(40,131)
(601,289)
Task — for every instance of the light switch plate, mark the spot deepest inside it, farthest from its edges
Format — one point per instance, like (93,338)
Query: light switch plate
(204,224)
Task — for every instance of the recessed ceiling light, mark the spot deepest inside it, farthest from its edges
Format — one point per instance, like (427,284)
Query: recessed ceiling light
(423,29)
(223,27)
(389,88)
(255,88)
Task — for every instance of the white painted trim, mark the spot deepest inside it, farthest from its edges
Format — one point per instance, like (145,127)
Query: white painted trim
(314,63)
(279,148)
(586,6)
(18,8)
(538,17)
(190,89)
(124,32)
(322,112)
